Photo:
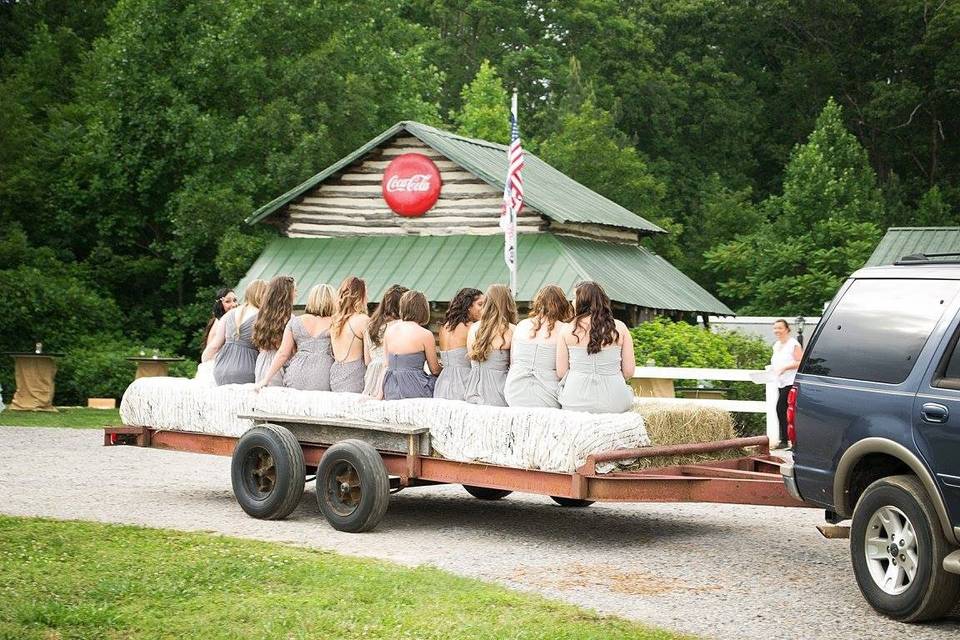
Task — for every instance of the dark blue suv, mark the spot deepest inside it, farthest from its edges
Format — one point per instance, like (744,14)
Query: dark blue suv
(876,426)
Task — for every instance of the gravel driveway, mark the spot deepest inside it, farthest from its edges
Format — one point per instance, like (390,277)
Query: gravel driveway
(712,570)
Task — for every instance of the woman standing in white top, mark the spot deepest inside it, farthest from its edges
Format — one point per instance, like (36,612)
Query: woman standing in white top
(787,353)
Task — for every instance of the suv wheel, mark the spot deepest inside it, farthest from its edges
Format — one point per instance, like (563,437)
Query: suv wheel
(897,548)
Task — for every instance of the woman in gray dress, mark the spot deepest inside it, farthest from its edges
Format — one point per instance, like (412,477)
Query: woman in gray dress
(533,380)
(346,337)
(269,326)
(230,347)
(595,356)
(386,312)
(305,349)
(462,312)
(488,345)
(407,346)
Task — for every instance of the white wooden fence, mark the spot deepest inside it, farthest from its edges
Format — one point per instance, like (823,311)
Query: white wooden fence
(756,376)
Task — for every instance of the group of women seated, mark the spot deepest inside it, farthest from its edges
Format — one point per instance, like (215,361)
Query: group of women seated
(575,357)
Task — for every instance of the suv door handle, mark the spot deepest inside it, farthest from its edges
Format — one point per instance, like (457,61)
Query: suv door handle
(934,412)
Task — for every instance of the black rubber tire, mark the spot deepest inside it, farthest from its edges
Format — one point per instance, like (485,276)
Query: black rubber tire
(367,501)
(267,472)
(485,493)
(573,503)
(934,592)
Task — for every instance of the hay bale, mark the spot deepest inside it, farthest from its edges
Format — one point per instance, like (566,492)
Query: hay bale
(669,424)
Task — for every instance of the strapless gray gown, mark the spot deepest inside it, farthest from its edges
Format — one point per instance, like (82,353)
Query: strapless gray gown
(405,377)
(487,379)
(452,381)
(532,380)
(594,383)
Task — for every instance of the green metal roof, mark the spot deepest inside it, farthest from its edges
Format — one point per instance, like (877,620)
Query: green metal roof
(441,265)
(551,192)
(904,241)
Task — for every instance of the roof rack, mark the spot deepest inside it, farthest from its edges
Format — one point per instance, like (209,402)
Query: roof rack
(925,258)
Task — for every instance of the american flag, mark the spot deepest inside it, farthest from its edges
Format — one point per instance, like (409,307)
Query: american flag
(512,196)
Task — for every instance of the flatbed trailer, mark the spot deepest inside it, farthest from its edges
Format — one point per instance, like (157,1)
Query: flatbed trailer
(359,464)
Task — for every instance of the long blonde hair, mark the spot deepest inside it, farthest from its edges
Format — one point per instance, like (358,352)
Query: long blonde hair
(352,299)
(252,297)
(498,313)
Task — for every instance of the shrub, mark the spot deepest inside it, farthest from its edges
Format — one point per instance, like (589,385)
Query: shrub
(678,344)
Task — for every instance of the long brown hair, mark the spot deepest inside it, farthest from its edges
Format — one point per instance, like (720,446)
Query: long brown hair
(499,311)
(386,311)
(550,306)
(459,310)
(274,314)
(592,302)
(352,298)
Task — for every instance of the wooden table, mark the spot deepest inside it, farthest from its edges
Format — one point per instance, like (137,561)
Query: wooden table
(35,374)
(149,367)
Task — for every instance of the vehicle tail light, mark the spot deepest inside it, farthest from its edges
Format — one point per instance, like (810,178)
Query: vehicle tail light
(792,415)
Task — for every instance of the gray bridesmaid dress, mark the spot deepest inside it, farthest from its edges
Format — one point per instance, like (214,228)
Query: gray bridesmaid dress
(452,381)
(594,383)
(347,376)
(309,368)
(236,362)
(532,380)
(487,379)
(264,360)
(405,377)
(373,378)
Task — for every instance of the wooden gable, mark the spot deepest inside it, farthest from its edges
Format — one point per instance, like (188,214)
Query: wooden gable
(350,202)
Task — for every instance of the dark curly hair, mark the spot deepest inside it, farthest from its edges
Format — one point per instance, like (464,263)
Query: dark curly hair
(459,310)
(387,310)
(592,302)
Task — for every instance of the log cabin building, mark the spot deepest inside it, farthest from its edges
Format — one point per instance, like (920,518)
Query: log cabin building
(448,191)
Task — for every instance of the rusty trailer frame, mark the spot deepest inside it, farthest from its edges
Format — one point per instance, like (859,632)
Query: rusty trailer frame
(752,479)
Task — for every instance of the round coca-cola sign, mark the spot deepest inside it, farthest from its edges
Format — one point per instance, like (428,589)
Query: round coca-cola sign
(411,184)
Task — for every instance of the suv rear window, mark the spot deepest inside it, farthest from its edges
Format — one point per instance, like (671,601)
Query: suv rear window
(878,328)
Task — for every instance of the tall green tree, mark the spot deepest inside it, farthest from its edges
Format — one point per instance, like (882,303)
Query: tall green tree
(485,109)
(823,227)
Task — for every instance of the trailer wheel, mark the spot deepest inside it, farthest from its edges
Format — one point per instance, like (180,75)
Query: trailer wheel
(267,472)
(571,502)
(897,548)
(353,489)
(486,493)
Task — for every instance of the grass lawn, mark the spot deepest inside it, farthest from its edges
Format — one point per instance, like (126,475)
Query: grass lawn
(72,417)
(85,580)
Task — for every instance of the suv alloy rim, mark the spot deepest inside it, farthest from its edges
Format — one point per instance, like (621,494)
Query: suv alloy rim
(891,550)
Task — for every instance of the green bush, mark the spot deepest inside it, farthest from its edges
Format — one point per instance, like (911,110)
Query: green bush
(678,344)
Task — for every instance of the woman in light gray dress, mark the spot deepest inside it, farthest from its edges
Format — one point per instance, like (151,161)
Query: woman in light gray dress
(386,312)
(229,347)
(408,345)
(488,345)
(533,380)
(349,323)
(269,327)
(462,312)
(305,350)
(595,356)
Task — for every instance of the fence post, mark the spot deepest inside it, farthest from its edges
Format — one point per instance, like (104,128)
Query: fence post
(773,421)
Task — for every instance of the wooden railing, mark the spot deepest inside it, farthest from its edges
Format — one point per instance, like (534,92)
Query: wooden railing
(767,406)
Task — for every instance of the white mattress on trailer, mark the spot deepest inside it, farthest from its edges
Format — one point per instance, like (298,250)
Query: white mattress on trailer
(545,439)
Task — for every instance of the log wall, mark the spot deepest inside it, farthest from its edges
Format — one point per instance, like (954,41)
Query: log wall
(351,203)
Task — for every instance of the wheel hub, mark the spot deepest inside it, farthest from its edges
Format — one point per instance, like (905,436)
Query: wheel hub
(343,488)
(891,550)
